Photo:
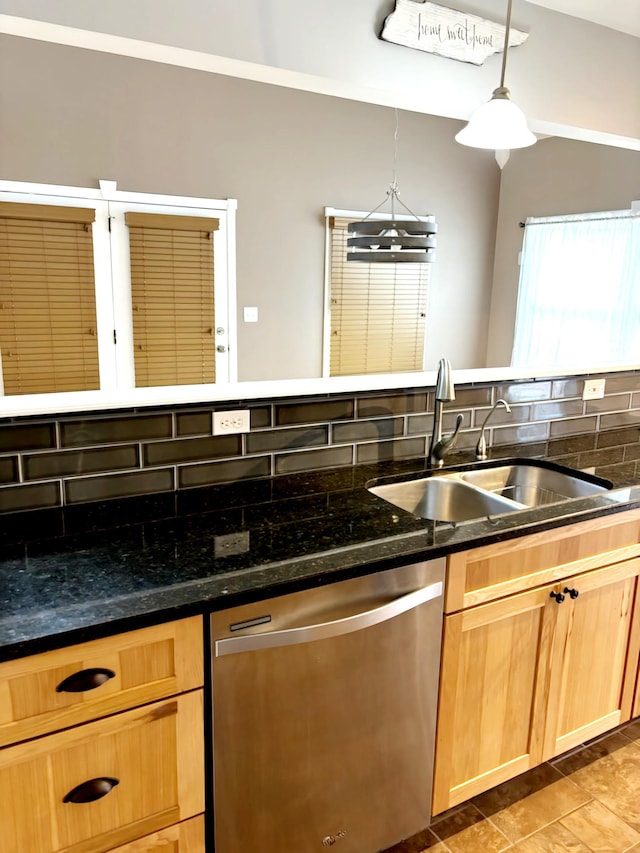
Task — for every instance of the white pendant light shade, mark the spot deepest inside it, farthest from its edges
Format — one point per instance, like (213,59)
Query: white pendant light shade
(498,124)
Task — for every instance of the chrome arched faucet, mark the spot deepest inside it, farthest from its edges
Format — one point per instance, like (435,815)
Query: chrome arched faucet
(481,446)
(445,392)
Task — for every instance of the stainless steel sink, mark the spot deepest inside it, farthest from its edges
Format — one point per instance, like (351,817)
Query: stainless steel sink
(488,491)
(531,485)
(443,498)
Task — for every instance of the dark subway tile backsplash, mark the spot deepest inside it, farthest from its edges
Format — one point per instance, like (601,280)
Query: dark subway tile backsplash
(471,397)
(31,496)
(614,403)
(8,469)
(377,429)
(619,419)
(89,431)
(194,423)
(524,392)
(223,472)
(159,453)
(392,404)
(401,448)
(288,414)
(47,466)
(261,417)
(267,441)
(27,437)
(86,489)
(83,460)
(310,460)
(573,426)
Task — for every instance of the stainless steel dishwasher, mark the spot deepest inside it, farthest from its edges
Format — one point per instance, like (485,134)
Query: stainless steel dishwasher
(324,706)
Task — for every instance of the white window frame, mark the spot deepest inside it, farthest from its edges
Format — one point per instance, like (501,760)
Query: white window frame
(113,295)
(601,339)
(356,215)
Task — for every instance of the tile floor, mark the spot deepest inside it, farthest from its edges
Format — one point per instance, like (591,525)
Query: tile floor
(586,801)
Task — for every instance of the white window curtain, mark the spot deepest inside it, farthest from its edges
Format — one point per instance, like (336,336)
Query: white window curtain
(579,291)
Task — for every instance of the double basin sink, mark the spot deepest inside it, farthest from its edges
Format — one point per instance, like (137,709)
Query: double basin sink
(484,492)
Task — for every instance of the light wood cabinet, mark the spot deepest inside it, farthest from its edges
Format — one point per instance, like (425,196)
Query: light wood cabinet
(61,688)
(495,659)
(185,837)
(594,657)
(527,675)
(123,777)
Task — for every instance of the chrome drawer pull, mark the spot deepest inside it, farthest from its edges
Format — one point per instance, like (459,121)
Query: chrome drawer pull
(85,679)
(91,790)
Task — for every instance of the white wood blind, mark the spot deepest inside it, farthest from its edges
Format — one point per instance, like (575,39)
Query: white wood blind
(48,334)
(378,311)
(172,292)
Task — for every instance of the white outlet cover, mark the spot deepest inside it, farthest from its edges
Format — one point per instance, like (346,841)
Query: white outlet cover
(231,422)
(593,389)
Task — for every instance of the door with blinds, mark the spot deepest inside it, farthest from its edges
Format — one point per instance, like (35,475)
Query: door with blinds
(172,302)
(377,312)
(48,284)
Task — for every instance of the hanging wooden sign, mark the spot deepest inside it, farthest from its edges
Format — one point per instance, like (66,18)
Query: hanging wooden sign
(447,32)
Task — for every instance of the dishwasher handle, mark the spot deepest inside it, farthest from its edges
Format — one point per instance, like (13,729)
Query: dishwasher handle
(325,630)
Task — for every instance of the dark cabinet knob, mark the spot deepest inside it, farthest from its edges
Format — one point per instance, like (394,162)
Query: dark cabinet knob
(91,790)
(85,679)
(559,597)
(572,593)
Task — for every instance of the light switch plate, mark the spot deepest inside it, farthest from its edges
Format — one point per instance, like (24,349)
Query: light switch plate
(250,314)
(593,389)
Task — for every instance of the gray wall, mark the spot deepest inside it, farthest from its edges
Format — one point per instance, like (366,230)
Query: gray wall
(553,177)
(570,72)
(72,116)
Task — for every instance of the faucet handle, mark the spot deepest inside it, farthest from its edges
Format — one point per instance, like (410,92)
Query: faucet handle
(447,441)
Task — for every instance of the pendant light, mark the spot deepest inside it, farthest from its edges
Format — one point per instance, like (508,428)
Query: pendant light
(392,240)
(499,124)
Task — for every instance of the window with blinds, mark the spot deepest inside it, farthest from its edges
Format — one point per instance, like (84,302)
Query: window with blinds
(378,311)
(48,338)
(172,295)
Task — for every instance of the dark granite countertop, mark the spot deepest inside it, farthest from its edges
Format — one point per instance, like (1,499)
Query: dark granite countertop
(71,574)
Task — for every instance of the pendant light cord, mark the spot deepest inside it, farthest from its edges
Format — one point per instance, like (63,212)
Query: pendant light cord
(393,187)
(506,44)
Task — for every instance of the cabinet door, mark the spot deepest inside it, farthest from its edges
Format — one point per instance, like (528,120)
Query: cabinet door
(594,657)
(492,691)
(185,837)
(97,786)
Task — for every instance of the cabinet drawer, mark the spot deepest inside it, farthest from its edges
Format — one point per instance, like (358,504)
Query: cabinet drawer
(100,785)
(186,837)
(494,571)
(62,688)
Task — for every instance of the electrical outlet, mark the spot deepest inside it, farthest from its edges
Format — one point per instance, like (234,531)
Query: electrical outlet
(230,544)
(226,423)
(593,389)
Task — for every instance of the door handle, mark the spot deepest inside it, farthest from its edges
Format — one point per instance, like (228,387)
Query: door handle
(326,630)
